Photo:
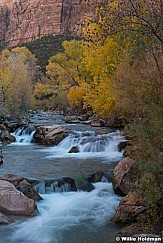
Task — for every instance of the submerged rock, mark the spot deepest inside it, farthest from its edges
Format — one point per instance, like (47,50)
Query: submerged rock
(13,201)
(50,135)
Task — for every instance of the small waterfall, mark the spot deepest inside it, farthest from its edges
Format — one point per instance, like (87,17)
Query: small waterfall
(64,184)
(90,142)
(41,187)
(24,135)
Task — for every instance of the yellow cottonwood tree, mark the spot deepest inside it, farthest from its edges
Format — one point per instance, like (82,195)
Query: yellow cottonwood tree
(17,77)
(102,61)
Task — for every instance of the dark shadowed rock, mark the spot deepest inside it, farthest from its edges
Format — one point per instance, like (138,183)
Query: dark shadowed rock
(122,145)
(26,188)
(83,185)
(5,219)
(74,149)
(5,136)
(1,159)
(108,176)
(95,177)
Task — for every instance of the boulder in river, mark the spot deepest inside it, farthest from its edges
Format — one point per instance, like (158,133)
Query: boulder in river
(83,185)
(22,185)
(26,188)
(95,177)
(5,136)
(74,149)
(50,135)
(123,177)
(13,201)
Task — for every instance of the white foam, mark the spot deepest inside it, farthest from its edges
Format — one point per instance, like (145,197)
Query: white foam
(61,212)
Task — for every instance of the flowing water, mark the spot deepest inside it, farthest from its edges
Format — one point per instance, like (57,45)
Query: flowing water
(66,217)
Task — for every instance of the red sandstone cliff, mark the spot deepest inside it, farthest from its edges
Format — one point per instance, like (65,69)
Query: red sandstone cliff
(26,20)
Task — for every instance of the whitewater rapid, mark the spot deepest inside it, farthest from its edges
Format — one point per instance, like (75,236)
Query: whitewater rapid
(63,217)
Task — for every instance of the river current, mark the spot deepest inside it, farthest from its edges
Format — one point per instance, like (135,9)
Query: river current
(67,217)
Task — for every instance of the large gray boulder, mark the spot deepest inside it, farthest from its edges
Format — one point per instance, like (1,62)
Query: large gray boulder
(50,135)
(13,201)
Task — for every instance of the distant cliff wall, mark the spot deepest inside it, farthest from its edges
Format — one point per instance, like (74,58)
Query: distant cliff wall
(26,20)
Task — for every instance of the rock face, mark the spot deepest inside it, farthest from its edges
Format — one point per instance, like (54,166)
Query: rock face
(50,135)
(13,201)
(26,20)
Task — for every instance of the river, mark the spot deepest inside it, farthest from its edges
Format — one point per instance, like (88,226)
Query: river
(67,217)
